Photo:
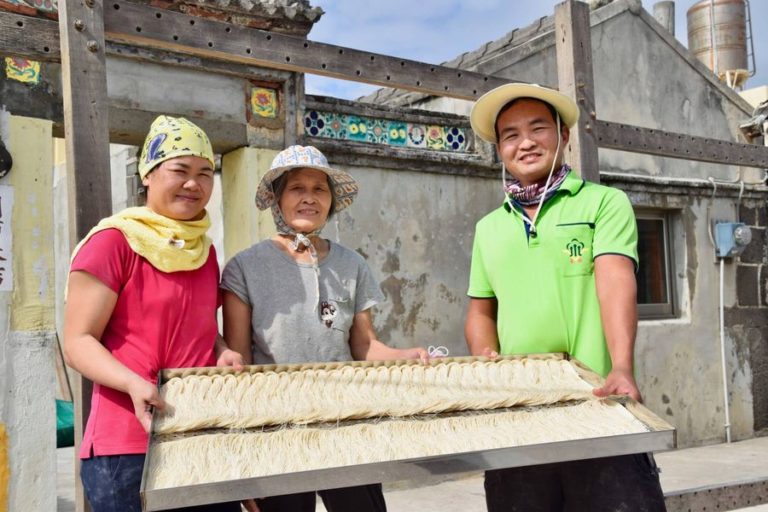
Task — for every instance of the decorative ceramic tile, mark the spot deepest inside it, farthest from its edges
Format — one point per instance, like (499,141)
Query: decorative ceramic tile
(455,139)
(377,131)
(384,131)
(314,124)
(336,126)
(44,5)
(356,129)
(435,136)
(264,102)
(22,70)
(417,135)
(398,134)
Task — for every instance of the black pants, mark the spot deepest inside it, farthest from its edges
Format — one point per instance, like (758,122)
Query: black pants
(363,498)
(625,483)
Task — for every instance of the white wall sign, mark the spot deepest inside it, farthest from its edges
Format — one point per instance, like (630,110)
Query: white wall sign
(6,241)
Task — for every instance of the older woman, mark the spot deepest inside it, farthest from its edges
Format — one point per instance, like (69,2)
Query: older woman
(298,297)
(142,295)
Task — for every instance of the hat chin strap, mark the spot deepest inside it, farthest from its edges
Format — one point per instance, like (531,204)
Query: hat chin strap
(300,243)
(284,229)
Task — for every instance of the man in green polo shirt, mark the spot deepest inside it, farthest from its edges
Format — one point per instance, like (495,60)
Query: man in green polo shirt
(553,270)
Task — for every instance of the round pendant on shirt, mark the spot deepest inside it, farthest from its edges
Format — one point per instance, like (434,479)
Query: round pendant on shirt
(179,244)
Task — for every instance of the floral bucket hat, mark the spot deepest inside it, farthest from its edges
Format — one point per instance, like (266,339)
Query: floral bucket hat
(344,187)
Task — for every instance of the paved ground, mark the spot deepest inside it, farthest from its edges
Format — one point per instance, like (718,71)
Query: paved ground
(692,468)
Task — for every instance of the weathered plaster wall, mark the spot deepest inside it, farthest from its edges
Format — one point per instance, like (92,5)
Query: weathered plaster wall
(415,230)
(27,407)
(678,360)
(5,470)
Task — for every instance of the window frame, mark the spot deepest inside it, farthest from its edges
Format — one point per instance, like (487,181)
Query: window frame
(668,309)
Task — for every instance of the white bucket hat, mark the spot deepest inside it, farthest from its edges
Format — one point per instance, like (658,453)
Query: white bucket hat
(301,157)
(486,108)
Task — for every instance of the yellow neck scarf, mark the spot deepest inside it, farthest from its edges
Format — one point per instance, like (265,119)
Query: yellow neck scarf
(169,245)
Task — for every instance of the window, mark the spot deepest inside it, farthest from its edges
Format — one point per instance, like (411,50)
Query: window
(655,297)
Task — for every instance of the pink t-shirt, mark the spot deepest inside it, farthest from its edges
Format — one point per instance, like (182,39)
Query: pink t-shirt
(160,320)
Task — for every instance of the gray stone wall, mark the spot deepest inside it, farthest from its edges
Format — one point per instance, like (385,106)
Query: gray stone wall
(748,318)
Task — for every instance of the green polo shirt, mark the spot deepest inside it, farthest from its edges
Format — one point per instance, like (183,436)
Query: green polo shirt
(545,285)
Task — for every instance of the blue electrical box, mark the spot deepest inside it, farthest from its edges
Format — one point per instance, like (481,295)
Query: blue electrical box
(731,238)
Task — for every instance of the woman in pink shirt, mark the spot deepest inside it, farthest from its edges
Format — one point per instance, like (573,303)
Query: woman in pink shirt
(142,296)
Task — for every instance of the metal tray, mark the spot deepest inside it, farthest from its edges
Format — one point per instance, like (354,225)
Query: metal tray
(661,436)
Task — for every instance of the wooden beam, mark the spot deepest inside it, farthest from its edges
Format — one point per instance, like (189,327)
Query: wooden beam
(86,130)
(635,139)
(28,37)
(143,25)
(575,78)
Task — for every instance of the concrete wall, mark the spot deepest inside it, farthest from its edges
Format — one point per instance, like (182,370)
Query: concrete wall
(678,360)
(27,407)
(415,230)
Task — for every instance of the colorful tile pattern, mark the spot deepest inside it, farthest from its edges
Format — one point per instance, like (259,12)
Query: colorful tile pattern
(264,102)
(44,5)
(37,5)
(22,70)
(385,131)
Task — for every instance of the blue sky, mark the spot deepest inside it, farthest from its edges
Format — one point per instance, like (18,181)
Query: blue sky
(435,31)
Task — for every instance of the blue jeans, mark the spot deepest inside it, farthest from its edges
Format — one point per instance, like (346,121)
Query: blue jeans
(112,484)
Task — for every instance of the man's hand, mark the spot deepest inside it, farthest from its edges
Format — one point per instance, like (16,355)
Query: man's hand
(229,357)
(145,396)
(619,382)
(480,328)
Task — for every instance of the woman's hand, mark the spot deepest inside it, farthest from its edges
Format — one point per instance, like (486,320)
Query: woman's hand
(419,353)
(225,356)
(229,357)
(145,396)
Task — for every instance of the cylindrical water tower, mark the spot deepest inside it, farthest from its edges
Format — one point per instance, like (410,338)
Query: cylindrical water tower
(717,36)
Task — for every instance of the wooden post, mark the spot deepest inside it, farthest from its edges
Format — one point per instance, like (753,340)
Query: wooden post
(575,78)
(293,98)
(86,129)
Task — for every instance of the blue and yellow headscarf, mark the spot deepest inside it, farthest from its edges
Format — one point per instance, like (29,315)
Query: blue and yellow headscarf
(171,137)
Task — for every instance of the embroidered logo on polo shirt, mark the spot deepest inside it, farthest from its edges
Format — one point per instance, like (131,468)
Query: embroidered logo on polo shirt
(575,250)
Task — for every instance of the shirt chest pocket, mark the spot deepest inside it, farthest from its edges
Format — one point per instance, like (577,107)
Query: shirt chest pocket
(573,249)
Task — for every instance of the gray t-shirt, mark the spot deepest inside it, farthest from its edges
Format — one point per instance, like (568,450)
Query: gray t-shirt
(287,325)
